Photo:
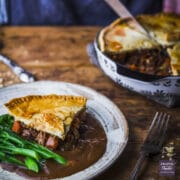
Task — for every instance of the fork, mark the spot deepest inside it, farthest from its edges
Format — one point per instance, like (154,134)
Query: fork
(154,140)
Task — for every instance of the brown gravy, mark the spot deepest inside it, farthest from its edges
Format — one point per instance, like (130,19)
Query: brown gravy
(90,148)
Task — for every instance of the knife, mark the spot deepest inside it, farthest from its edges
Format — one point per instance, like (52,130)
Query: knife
(122,11)
(23,75)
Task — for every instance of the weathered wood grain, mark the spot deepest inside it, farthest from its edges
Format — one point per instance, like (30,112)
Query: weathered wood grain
(59,53)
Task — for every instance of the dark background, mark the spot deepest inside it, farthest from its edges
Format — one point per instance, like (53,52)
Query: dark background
(72,12)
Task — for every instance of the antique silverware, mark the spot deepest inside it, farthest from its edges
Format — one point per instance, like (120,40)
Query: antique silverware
(154,140)
(23,75)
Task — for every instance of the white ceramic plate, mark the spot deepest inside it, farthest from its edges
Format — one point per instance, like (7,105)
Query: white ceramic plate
(105,111)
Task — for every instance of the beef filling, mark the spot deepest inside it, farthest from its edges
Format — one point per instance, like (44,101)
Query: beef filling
(48,140)
(149,61)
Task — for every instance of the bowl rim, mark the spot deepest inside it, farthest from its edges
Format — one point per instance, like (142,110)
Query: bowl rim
(91,171)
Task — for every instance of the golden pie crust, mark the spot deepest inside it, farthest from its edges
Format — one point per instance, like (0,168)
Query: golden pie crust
(164,27)
(52,114)
(120,36)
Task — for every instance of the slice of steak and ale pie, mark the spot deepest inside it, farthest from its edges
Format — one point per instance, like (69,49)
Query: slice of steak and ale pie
(46,119)
(125,45)
(164,27)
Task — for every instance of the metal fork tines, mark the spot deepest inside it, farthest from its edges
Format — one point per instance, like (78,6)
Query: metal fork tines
(154,140)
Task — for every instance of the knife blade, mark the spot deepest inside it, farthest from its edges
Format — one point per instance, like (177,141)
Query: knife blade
(122,11)
(23,75)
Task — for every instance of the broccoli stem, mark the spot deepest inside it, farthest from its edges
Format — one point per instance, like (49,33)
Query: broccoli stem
(6,120)
(31,164)
(21,151)
(10,159)
(43,151)
(48,153)
(14,144)
(12,137)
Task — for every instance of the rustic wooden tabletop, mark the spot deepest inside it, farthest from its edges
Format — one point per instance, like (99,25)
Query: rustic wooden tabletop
(59,53)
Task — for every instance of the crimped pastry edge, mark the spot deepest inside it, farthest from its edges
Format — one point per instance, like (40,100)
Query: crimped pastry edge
(13,102)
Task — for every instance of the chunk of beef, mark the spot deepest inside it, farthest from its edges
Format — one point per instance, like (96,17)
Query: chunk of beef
(41,138)
(28,133)
(52,142)
(149,61)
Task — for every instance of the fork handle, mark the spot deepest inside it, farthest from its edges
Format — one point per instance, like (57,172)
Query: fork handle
(137,168)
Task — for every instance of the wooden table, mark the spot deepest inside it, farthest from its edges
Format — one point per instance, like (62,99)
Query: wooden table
(59,53)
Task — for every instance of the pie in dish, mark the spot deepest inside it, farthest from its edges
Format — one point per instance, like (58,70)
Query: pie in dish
(123,43)
(46,119)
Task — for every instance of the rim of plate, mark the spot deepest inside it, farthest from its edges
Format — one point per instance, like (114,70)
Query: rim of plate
(120,143)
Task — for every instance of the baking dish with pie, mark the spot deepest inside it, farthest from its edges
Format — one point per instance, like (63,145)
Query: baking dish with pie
(149,66)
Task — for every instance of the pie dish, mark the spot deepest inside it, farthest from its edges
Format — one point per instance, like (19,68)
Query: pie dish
(158,79)
(123,43)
